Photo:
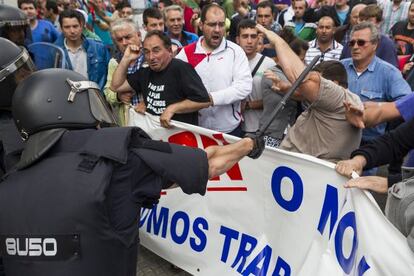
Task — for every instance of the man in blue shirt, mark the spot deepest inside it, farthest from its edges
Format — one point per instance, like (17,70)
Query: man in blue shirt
(386,47)
(42,30)
(370,77)
(174,21)
(83,55)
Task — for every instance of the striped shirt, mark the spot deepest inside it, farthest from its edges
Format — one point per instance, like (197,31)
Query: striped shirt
(392,15)
(332,53)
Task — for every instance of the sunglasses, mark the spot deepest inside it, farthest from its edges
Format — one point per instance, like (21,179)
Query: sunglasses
(359,42)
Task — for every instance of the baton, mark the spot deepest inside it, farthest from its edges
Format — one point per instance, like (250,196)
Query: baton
(281,105)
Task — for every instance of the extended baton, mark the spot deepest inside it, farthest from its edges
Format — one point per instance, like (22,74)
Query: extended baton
(281,105)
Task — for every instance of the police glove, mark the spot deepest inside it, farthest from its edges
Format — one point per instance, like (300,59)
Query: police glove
(259,145)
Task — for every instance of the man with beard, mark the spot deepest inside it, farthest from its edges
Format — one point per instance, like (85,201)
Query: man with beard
(324,44)
(224,70)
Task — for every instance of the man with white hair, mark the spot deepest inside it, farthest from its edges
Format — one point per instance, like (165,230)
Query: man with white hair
(124,32)
(174,21)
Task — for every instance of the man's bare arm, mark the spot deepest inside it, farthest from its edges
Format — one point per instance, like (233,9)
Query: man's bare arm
(119,82)
(222,158)
(185,106)
(292,66)
(374,113)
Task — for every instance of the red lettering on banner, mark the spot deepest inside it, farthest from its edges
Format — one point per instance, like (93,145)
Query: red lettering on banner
(185,138)
(188,138)
(234,173)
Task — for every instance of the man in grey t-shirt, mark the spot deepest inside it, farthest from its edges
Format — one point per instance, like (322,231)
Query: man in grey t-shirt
(322,130)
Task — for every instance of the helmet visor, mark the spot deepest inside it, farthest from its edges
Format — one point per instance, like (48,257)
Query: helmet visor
(21,68)
(12,74)
(100,111)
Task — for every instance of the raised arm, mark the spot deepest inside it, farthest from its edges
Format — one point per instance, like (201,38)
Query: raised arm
(119,82)
(292,66)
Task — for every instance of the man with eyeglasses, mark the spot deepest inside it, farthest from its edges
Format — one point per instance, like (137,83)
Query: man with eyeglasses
(369,76)
(386,46)
(224,70)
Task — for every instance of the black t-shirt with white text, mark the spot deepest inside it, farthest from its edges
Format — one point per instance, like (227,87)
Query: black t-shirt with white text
(177,82)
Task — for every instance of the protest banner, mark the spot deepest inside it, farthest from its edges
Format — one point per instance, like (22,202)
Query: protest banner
(282,214)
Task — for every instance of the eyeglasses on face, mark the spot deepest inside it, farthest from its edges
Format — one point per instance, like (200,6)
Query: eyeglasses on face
(359,42)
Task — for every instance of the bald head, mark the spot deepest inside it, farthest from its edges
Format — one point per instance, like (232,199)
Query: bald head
(355,13)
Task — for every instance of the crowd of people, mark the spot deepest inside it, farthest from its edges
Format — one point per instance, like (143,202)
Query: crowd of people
(226,65)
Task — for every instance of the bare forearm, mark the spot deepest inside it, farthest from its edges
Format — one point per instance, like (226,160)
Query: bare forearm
(380,113)
(222,158)
(187,106)
(291,64)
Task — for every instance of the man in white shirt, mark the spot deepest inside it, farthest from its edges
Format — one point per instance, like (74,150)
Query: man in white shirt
(224,70)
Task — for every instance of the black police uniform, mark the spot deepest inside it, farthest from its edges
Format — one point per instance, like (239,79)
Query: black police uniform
(76,210)
(11,144)
(15,64)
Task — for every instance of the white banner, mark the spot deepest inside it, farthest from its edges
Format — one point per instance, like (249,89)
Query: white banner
(282,214)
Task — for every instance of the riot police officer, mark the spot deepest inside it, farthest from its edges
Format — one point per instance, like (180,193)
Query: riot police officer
(14,25)
(73,203)
(15,65)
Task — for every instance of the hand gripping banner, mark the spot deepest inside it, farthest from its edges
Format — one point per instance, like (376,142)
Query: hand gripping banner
(282,214)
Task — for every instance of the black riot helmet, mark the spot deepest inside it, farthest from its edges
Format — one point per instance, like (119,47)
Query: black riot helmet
(58,98)
(15,66)
(51,101)
(14,25)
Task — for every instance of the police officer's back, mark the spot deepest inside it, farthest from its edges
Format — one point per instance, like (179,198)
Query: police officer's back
(15,65)
(72,204)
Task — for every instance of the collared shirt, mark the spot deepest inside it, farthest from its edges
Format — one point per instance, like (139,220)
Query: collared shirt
(392,15)
(186,38)
(131,70)
(332,53)
(227,77)
(78,58)
(380,82)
